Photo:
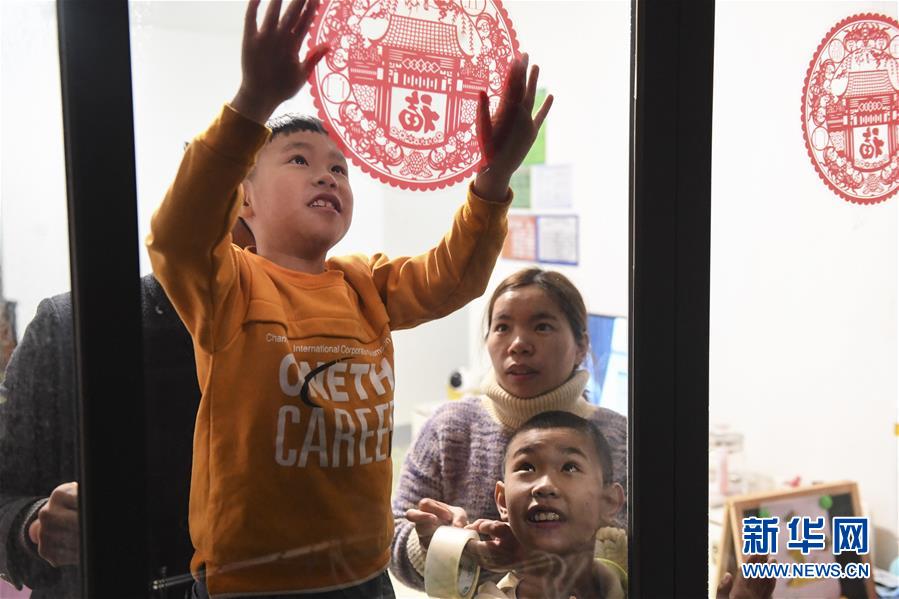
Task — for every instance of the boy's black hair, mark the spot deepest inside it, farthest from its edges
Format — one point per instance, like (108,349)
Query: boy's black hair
(292,122)
(559,419)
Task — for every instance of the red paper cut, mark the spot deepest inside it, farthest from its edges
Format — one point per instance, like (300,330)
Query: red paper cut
(850,109)
(399,88)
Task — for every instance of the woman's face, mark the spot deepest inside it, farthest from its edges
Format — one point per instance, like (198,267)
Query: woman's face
(531,344)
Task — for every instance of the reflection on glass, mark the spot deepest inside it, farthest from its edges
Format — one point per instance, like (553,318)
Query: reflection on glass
(569,214)
(803,364)
(39,536)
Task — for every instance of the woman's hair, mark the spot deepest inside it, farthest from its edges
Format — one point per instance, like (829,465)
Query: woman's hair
(558,288)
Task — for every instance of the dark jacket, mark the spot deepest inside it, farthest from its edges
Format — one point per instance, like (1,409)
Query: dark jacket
(38,439)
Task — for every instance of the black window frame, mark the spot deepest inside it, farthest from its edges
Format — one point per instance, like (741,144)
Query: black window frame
(98,121)
(670,198)
(670,218)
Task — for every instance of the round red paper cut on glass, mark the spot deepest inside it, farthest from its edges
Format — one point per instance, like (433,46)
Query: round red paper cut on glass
(850,109)
(399,88)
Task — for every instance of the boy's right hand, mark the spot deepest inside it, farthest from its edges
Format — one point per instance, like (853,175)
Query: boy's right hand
(431,515)
(732,587)
(499,549)
(270,62)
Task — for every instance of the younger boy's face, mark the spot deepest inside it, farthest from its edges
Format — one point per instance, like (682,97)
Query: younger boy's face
(553,495)
(299,197)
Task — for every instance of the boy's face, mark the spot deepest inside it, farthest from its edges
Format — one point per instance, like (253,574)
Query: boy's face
(298,198)
(553,496)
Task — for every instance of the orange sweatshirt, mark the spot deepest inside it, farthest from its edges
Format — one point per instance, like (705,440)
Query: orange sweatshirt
(291,479)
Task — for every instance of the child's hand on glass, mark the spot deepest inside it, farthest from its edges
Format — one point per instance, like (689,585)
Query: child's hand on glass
(506,139)
(270,61)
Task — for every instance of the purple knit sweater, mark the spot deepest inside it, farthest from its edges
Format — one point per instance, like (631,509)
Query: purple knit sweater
(457,458)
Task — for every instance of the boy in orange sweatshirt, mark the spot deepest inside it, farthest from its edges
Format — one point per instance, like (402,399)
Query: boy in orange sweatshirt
(290,491)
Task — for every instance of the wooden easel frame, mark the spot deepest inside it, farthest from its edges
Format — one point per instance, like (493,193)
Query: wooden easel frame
(730,548)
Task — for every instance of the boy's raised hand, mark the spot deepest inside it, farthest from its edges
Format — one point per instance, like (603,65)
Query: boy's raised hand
(506,139)
(270,62)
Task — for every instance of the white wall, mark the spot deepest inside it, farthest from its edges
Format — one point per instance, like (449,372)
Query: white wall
(585,63)
(803,297)
(185,58)
(588,129)
(33,226)
(186,64)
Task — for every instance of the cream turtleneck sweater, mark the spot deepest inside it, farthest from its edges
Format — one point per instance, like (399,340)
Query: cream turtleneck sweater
(511,411)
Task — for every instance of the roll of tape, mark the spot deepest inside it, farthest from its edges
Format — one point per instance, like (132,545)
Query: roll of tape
(450,573)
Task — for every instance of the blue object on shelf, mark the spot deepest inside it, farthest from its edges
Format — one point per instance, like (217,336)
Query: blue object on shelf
(607,362)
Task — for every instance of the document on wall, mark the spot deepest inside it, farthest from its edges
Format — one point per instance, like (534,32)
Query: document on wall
(551,187)
(521,241)
(557,239)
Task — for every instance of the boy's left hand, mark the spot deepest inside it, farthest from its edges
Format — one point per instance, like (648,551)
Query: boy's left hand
(506,139)
(732,587)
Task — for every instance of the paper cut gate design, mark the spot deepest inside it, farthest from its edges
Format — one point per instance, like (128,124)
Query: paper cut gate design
(850,109)
(400,87)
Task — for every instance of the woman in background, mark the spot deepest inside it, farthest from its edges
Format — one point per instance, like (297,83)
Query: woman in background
(537,341)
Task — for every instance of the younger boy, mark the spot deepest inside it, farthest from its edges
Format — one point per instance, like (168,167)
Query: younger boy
(554,498)
(291,479)
(555,495)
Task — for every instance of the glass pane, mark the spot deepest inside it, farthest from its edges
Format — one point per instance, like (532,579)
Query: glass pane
(569,214)
(803,360)
(38,429)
